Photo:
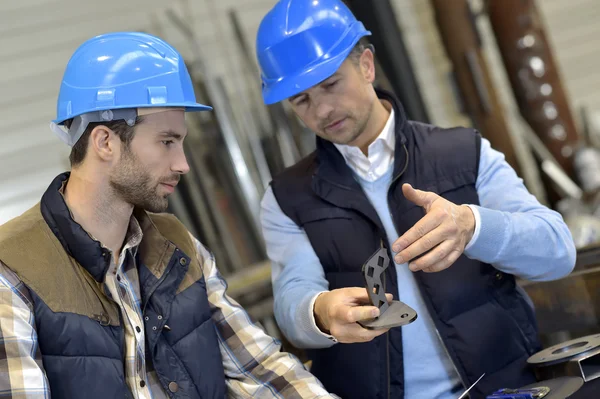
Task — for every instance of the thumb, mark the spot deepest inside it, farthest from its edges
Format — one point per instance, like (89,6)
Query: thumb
(418,197)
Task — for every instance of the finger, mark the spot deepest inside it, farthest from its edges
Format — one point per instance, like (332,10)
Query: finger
(437,255)
(419,197)
(419,230)
(422,245)
(359,296)
(352,314)
(354,295)
(354,333)
(444,264)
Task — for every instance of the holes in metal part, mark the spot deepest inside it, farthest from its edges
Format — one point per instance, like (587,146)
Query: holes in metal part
(570,347)
(371,271)
(376,289)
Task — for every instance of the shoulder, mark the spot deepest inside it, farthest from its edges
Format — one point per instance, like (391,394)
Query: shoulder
(440,137)
(22,225)
(455,143)
(296,179)
(302,169)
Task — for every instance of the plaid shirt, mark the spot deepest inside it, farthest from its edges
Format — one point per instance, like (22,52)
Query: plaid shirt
(253,363)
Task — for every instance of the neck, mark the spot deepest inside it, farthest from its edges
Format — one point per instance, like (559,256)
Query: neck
(374,126)
(94,206)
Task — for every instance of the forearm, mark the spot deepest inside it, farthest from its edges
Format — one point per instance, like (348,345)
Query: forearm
(514,232)
(297,276)
(252,360)
(534,245)
(22,374)
(280,375)
(294,312)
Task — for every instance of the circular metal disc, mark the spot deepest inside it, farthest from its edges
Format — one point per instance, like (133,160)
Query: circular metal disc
(560,388)
(565,350)
(398,314)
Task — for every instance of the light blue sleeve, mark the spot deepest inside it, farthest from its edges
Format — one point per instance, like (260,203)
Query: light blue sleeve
(514,232)
(297,276)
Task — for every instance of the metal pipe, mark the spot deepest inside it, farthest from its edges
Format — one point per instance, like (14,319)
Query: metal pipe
(534,76)
(378,17)
(461,39)
(217,94)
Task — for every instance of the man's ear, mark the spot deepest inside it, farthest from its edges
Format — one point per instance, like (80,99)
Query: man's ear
(102,143)
(367,64)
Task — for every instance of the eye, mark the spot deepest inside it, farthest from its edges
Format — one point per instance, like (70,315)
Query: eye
(300,101)
(167,142)
(329,85)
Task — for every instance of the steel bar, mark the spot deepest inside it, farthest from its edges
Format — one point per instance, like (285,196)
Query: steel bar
(378,16)
(461,39)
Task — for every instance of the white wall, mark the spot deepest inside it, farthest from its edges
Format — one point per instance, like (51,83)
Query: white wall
(38,36)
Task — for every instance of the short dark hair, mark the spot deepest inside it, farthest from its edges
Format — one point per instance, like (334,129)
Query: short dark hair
(120,127)
(360,48)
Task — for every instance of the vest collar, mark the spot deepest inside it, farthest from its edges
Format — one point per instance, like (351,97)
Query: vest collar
(333,167)
(90,253)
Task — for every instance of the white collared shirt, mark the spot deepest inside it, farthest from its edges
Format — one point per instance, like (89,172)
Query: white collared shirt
(381,153)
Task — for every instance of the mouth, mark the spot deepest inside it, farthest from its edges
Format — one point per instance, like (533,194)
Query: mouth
(335,125)
(169,186)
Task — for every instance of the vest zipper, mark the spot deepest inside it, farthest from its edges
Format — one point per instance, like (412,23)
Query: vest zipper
(387,340)
(462,381)
(436,330)
(389,385)
(387,335)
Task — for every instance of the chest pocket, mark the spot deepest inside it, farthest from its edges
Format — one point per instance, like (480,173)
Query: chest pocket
(342,239)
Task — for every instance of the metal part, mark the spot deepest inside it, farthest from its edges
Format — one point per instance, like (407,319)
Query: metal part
(463,46)
(217,94)
(550,166)
(587,168)
(534,76)
(578,357)
(394,314)
(255,121)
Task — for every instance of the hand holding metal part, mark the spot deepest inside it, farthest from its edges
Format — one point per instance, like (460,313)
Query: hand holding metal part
(391,313)
(357,314)
(338,312)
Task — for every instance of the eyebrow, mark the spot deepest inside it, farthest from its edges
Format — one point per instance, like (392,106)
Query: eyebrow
(335,75)
(171,134)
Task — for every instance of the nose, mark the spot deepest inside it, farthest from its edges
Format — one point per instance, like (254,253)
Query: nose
(180,165)
(323,108)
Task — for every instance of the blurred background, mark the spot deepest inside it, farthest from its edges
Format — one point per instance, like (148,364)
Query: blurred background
(525,73)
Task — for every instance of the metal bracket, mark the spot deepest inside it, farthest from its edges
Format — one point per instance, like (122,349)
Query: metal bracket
(392,314)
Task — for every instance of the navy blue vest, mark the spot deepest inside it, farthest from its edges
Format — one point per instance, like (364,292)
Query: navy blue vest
(483,322)
(83,354)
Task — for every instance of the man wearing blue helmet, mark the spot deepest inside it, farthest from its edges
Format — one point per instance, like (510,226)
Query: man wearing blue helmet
(456,219)
(102,297)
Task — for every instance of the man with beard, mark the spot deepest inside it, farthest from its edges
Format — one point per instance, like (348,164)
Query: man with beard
(100,295)
(453,216)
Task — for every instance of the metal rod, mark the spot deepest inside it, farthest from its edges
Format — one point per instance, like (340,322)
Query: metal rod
(217,95)
(378,16)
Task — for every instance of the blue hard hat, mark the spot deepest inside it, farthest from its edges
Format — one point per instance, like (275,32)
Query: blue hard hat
(124,70)
(300,43)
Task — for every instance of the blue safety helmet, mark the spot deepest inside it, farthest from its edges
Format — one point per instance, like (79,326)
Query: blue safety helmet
(112,75)
(300,43)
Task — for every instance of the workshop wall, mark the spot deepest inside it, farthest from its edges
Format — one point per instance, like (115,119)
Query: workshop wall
(38,36)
